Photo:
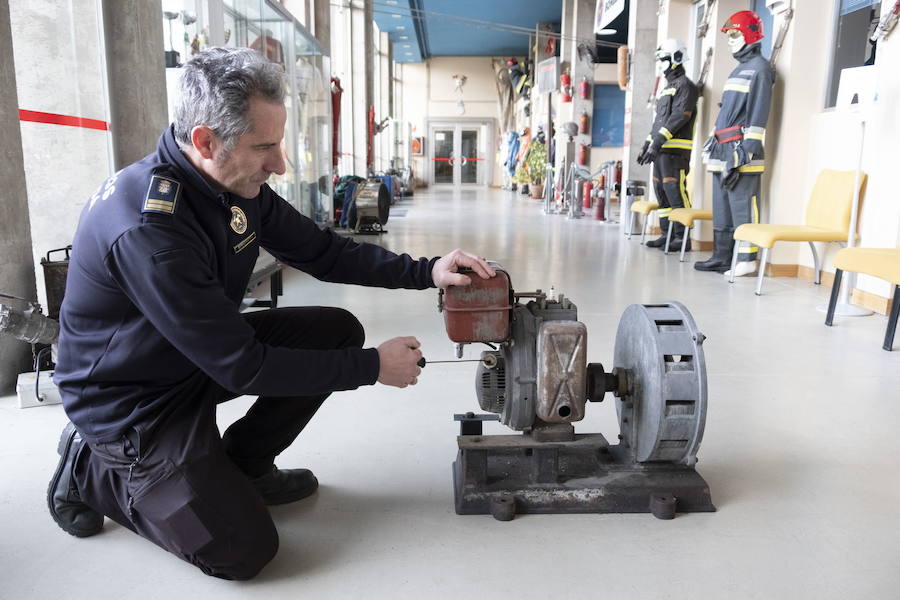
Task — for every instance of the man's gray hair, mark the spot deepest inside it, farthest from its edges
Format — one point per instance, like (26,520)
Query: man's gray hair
(216,87)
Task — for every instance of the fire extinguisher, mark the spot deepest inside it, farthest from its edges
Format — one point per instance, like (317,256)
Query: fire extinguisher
(584,89)
(582,154)
(600,205)
(565,86)
(586,194)
(584,123)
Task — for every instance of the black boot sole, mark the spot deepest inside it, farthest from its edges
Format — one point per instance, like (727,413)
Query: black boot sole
(64,448)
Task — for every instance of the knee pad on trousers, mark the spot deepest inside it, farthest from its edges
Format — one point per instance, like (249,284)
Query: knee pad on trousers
(256,549)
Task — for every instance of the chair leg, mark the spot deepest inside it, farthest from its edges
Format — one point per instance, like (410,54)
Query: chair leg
(684,241)
(818,267)
(892,320)
(734,257)
(630,227)
(668,238)
(835,292)
(762,271)
(644,228)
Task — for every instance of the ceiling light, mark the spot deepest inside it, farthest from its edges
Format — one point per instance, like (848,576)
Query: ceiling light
(607,31)
(399,27)
(390,1)
(403,37)
(408,53)
(407,45)
(395,15)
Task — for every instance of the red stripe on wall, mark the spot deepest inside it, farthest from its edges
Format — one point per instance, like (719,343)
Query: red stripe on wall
(54,119)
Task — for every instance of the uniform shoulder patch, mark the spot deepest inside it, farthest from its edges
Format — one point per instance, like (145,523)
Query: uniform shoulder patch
(162,195)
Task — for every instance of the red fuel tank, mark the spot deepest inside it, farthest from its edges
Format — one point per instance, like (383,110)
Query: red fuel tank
(480,311)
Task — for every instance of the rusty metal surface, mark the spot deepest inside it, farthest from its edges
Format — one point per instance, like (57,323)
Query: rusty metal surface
(561,371)
(480,311)
(584,476)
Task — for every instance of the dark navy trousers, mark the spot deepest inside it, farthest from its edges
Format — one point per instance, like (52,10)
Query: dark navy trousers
(175,481)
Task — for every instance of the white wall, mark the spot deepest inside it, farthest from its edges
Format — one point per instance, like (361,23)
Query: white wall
(429,94)
(58,70)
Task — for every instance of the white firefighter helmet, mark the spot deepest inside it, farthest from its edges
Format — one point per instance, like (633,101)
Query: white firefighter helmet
(672,50)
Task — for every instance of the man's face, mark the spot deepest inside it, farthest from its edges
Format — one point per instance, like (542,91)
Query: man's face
(256,155)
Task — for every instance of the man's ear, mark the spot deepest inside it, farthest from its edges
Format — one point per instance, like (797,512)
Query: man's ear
(204,140)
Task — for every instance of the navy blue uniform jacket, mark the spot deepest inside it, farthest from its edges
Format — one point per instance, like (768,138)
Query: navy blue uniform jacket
(155,282)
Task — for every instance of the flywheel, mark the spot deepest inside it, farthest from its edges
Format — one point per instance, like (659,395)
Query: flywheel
(660,351)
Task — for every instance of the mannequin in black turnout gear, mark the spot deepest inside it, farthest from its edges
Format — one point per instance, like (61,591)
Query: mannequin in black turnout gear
(734,153)
(670,141)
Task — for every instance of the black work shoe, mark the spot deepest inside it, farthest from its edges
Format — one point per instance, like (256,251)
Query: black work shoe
(74,516)
(675,245)
(288,485)
(657,243)
(713,264)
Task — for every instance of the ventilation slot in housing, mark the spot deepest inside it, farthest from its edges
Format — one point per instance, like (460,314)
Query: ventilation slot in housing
(665,325)
(680,408)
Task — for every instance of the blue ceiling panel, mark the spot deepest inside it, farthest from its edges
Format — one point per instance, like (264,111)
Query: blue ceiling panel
(420,29)
(483,27)
(397,20)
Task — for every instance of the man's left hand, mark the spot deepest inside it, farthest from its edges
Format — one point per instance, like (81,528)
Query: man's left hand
(445,271)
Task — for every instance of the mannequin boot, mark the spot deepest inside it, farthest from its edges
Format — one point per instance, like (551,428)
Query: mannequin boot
(660,242)
(744,267)
(677,239)
(720,261)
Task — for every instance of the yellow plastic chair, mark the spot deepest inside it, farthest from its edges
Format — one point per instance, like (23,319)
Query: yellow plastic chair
(641,207)
(827,220)
(883,263)
(685,216)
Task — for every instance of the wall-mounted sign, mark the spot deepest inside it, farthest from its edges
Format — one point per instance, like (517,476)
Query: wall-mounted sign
(606,12)
(548,75)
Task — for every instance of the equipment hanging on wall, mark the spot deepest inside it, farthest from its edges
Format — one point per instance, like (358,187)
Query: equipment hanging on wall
(565,86)
(584,89)
(537,381)
(622,67)
(887,23)
(787,16)
(584,123)
(369,210)
(581,155)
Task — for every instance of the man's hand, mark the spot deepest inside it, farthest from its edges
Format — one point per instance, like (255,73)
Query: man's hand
(398,358)
(445,270)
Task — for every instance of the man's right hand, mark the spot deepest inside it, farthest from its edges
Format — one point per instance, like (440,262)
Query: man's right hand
(398,359)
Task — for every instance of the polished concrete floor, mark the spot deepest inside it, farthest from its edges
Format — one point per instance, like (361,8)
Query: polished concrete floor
(800,451)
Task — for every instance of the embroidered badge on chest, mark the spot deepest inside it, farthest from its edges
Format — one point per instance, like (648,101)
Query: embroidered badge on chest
(238,220)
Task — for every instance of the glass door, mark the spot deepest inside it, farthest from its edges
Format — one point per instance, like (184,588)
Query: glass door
(459,154)
(468,155)
(444,166)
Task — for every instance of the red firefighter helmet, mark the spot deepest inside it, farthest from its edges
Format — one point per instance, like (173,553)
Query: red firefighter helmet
(747,23)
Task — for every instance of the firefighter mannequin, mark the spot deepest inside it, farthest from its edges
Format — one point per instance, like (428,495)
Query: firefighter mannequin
(669,144)
(734,153)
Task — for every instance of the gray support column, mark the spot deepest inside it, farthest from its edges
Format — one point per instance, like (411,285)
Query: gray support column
(133,36)
(16,268)
(642,26)
(564,109)
(583,29)
(322,19)
(363,85)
